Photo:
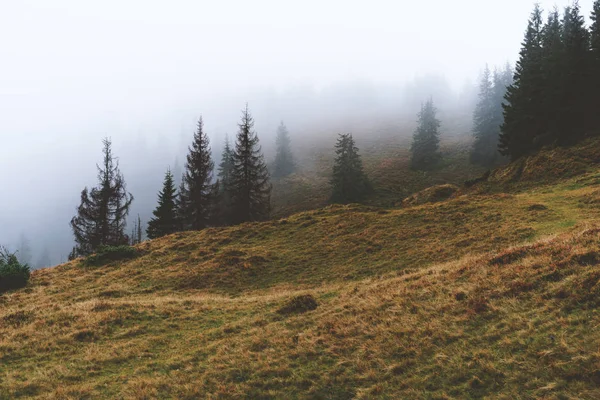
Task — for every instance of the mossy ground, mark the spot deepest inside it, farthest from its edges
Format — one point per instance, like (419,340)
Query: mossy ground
(484,295)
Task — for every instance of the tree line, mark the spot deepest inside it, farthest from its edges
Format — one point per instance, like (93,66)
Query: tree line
(556,90)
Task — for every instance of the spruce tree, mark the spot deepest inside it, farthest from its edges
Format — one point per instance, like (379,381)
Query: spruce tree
(164,221)
(425,146)
(196,188)
(576,81)
(553,71)
(284,159)
(523,114)
(349,182)
(484,147)
(250,187)
(101,216)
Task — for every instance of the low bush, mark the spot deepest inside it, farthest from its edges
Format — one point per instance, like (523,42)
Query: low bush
(107,254)
(13,274)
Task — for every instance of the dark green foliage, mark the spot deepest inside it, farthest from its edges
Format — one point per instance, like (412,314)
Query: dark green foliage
(250,188)
(195,191)
(13,274)
(108,254)
(164,221)
(523,113)
(488,117)
(552,69)
(576,73)
(101,216)
(284,164)
(555,95)
(299,304)
(426,140)
(350,184)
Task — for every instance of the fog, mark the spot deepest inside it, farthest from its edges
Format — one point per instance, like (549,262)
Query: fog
(142,72)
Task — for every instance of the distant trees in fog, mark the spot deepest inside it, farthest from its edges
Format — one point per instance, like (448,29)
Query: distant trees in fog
(349,181)
(284,164)
(488,116)
(425,153)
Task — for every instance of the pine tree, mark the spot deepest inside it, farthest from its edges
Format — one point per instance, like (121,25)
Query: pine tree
(425,146)
(250,187)
(553,71)
(576,70)
(195,193)
(485,143)
(284,159)
(523,114)
(594,98)
(349,182)
(101,216)
(164,221)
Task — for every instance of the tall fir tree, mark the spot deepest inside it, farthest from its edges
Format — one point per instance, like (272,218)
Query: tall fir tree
(349,182)
(553,73)
(101,216)
(284,164)
(164,221)
(576,74)
(196,186)
(594,93)
(426,139)
(250,186)
(523,114)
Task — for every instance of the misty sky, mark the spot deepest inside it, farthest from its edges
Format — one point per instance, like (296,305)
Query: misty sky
(74,71)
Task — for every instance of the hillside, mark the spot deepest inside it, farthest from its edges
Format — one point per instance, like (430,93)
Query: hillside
(485,294)
(386,162)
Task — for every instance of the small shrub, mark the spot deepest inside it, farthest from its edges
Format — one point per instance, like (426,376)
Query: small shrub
(299,305)
(107,254)
(13,274)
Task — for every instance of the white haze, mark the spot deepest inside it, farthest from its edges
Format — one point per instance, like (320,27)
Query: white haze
(141,72)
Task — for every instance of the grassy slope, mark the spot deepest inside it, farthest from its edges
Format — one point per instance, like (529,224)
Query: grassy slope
(386,162)
(482,295)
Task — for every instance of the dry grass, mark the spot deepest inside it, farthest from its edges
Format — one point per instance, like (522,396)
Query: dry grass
(483,295)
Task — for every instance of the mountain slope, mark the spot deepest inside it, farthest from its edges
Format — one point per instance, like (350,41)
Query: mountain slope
(480,295)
